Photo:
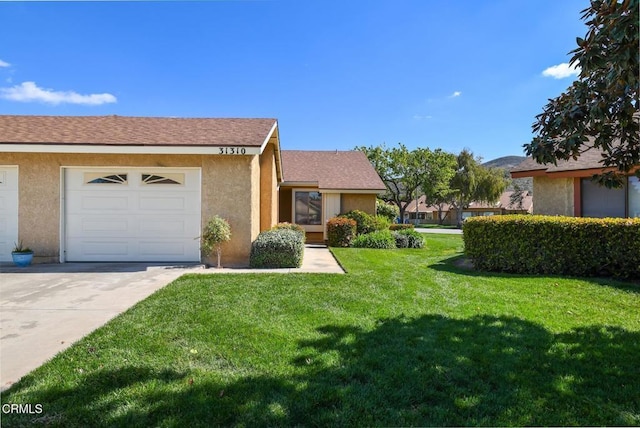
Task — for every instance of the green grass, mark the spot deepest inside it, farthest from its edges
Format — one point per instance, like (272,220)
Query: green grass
(405,338)
(436,226)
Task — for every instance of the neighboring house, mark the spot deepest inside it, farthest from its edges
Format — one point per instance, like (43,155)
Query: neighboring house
(319,185)
(418,211)
(566,189)
(113,188)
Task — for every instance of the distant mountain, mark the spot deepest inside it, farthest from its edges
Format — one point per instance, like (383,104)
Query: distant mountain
(505,162)
(508,162)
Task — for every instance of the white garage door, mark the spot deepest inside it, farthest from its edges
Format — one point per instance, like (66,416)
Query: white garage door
(135,214)
(8,211)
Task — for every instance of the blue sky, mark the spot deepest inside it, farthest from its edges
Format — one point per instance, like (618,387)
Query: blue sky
(336,74)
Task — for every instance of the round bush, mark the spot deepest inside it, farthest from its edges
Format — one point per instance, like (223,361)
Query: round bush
(279,248)
(382,239)
(340,231)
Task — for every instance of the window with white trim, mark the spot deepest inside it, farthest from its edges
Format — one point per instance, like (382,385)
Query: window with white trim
(308,208)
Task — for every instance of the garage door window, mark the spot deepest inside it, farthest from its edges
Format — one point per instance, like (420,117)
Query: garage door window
(102,178)
(163,179)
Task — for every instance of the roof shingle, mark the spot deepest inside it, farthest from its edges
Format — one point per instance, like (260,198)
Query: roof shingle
(331,169)
(135,131)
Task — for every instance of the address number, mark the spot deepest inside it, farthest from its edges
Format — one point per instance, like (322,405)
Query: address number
(232,151)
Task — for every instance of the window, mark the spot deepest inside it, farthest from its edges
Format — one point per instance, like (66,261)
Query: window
(104,178)
(598,201)
(163,179)
(308,208)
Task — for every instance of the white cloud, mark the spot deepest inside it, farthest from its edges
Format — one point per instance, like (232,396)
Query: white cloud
(421,117)
(4,64)
(561,71)
(30,92)
(455,94)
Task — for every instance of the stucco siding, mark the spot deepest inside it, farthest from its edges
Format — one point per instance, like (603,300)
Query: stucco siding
(268,189)
(553,196)
(230,188)
(358,201)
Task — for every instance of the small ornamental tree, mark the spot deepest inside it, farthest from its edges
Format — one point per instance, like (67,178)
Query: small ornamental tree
(216,231)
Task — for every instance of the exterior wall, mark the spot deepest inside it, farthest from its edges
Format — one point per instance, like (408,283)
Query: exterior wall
(268,188)
(314,237)
(285,207)
(553,196)
(358,201)
(230,188)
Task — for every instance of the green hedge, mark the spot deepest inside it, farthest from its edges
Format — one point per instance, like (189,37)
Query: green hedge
(408,238)
(554,245)
(401,226)
(367,223)
(340,231)
(382,239)
(277,248)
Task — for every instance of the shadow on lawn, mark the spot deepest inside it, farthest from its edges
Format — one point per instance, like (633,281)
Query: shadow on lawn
(430,370)
(461,265)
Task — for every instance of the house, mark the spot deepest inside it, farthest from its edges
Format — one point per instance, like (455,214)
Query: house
(120,189)
(112,188)
(567,189)
(419,211)
(318,185)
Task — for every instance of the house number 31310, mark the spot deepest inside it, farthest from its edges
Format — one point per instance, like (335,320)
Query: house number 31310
(232,150)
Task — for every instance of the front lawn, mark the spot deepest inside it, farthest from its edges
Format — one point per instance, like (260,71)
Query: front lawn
(405,338)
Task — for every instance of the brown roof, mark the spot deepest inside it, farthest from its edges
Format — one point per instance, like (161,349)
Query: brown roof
(331,169)
(503,203)
(143,131)
(588,160)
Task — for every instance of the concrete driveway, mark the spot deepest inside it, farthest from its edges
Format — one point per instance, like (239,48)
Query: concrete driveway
(45,308)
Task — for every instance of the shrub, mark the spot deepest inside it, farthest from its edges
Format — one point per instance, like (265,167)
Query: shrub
(365,223)
(554,245)
(402,241)
(290,226)
(400,226)
(216,231)
(414,239)
(279,248)
(340,231)
(388,211)
(379,239)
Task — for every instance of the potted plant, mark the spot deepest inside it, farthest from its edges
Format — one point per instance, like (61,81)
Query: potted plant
(22,256)
(216,231)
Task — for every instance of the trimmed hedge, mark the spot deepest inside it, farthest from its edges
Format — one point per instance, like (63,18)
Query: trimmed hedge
(340,231)
(401,226)
(277,248)
(289,226)
(554,245)
(409,238)
(381,239)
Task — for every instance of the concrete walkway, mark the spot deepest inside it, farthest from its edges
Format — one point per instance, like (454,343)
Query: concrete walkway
(443,231)
(45,308)
(317,259)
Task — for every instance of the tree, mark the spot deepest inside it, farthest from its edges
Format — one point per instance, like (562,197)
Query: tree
(216,231)
(474,182)
(600,109)
(401,171)
(390,212)
(437,179)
